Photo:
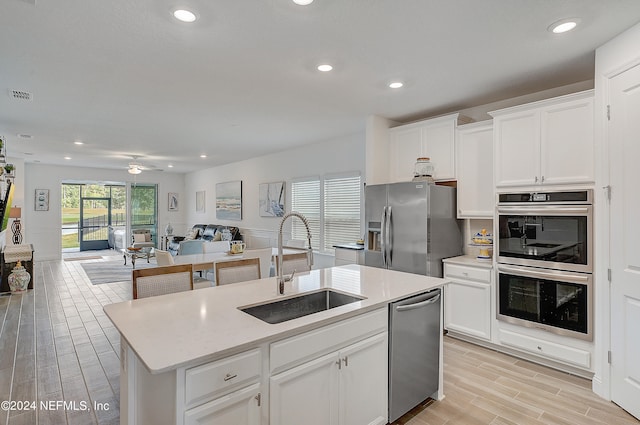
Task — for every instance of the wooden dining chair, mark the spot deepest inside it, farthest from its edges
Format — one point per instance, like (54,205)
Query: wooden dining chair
(264,254)
(210,247)
(161,280)
(291,262)
(237,270)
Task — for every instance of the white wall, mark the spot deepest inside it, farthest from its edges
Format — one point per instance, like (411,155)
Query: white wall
(335,156)
(42,228)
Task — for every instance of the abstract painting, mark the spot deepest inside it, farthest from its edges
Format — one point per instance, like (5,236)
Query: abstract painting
(229,200)
(173,201)
(200,201)
(271,199)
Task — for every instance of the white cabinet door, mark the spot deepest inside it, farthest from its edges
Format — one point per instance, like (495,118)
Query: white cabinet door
(567,143)
(405,146)
(549,142)
(475,170)
(363,382)
(433,138)
(468,308)
(306,393)
(517,149)
(238,408)
(438,144)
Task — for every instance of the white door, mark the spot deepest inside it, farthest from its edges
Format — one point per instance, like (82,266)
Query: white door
(363,382)
(239,408)
(624,128)
(306,394)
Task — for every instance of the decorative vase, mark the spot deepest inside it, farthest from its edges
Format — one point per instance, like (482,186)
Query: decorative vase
(169,229)
(19,279)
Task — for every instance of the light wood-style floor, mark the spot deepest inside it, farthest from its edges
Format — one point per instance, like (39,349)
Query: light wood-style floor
(57,345)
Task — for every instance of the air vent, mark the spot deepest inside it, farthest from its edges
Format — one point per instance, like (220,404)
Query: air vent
(25,136)
(21,95)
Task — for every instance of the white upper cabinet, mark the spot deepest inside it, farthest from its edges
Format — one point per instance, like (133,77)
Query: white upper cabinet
(549,142)
(433,138)
(474,153)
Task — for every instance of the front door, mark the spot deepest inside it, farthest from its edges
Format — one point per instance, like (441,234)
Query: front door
(95,218)
(624,128)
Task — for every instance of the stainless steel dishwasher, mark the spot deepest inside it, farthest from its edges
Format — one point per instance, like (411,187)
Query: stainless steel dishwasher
(414,351)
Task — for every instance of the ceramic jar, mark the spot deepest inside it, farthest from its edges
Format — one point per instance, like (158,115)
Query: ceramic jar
(19,279)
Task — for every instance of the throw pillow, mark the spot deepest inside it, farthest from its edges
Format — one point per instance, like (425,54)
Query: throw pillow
(139,237)
(217,237)
(192,234)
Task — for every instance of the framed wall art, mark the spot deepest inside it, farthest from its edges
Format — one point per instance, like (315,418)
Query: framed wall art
(229,200)
(173,202)
(42,200)
(200,201)
(271,199)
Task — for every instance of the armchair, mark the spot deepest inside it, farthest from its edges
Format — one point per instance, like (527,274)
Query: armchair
(141,238)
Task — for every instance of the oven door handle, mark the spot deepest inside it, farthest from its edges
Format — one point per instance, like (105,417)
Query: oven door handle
(583,279)
(546,210)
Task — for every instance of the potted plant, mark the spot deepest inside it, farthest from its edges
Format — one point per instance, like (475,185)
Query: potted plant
(8,168)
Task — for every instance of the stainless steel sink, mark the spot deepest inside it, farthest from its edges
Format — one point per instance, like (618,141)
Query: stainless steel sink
(292,308)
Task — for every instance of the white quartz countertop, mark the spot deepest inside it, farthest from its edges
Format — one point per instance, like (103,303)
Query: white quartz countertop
(187,328)
(469,260)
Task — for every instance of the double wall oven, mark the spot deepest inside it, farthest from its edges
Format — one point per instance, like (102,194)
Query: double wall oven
(545,261)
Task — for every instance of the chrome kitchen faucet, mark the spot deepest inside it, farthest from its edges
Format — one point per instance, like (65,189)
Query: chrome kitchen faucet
(282,279)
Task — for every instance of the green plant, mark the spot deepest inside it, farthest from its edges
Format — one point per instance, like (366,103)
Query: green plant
(9,168)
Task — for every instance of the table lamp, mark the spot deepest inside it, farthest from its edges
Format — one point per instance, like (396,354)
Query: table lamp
(16,226)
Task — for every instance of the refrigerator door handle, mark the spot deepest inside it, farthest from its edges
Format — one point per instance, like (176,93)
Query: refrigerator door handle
(389,238)
(383,247)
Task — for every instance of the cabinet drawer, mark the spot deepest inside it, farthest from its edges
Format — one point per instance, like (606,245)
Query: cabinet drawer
(217,378)
(300,348)
(563,353)
(464,272)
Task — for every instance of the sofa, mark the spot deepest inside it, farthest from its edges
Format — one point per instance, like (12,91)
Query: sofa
(205,232)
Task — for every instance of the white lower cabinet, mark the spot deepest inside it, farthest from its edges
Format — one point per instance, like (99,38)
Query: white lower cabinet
(238,408)
(224,392)
(467,300)
(347,387)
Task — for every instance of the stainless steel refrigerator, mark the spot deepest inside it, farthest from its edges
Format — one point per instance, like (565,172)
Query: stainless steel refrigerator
(411,227)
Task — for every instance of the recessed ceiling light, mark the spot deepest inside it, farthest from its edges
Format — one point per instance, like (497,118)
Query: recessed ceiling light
(67,157)
(203,156)
(303,2)
(325,67)
(170,165)
(395,84)
(563,25)
(184,15)
(78,142)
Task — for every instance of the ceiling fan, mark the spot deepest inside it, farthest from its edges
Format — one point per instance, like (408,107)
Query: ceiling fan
(136,167)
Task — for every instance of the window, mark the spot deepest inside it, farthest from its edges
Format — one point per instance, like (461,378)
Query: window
(332,206)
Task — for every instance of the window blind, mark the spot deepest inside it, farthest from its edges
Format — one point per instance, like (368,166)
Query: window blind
(305,199)
(341,211)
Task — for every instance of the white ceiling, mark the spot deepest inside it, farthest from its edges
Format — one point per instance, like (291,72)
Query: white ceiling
(127,79)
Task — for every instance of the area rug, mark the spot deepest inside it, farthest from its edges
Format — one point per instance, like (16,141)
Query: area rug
(113,271)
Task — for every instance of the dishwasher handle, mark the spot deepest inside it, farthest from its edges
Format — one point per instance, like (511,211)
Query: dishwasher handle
(418,305)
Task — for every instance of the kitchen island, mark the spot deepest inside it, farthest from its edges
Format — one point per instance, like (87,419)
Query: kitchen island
(195,357)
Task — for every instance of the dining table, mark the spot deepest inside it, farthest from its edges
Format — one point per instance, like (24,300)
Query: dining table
(202,262)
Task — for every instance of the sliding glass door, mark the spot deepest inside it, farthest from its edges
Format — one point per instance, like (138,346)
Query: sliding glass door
(144,208)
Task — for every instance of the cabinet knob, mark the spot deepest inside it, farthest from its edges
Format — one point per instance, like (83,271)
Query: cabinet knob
(536,179)
(542,179)
(339,363)
(539,348)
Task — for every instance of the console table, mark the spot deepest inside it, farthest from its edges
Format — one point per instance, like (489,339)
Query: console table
(10,255)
